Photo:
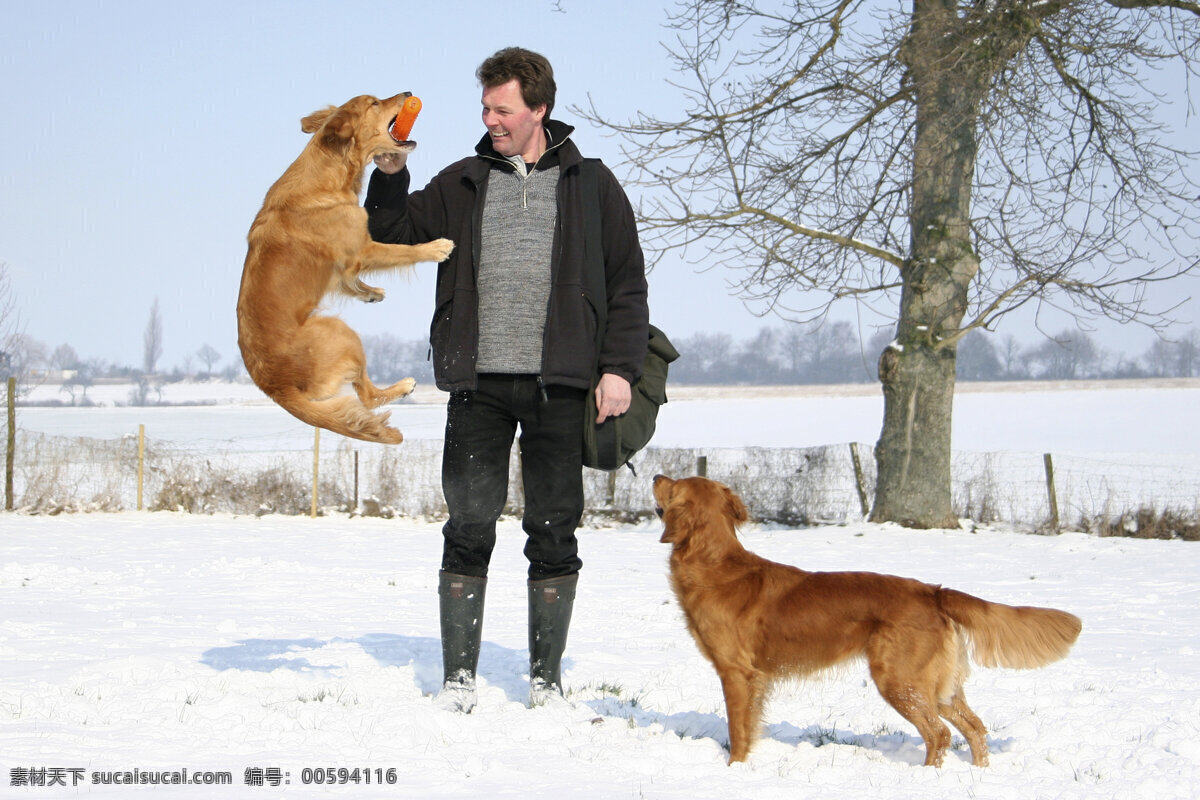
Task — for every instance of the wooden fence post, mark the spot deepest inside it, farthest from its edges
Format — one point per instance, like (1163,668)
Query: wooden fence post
(141,462)
(316,467)
(1050,490)
(355,506)
(10,454)
(860,481)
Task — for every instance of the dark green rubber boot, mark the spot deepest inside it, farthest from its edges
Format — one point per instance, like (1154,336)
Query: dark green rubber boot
(461,612)
(550,605)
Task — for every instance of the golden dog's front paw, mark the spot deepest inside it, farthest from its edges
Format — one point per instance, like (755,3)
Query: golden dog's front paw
(440,249)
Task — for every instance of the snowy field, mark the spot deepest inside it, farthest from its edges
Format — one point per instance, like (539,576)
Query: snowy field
(298,657)
(1037,417)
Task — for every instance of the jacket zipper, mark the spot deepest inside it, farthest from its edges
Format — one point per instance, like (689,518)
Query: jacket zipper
(525,176)
(557,256)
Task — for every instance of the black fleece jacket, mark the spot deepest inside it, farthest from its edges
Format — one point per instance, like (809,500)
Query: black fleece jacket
(451,206)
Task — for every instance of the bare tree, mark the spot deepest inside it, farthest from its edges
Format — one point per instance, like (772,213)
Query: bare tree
(977,359)
(64,357)
(1012,358)
(705,358)
(209,355)
(1173,358)
(1187,351)
(947,160)
(152,340)
(1160,358)
(10,326)
(78,381)
(144,384)
(20,353)
(756,360)
(823,352)
(1069,355)
(391,358)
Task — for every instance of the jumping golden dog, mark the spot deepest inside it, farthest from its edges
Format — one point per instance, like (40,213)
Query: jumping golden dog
(759,622)
(310,239)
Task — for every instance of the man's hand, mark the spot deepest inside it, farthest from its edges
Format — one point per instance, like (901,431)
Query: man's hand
(613,396)
(391,163)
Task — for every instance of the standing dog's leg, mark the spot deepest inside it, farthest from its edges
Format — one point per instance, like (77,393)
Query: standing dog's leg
(744,689)
(970,726)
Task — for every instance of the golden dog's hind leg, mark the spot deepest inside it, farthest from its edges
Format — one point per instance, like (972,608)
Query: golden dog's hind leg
(916,707)
(373,397)
(960,715)
(338,353)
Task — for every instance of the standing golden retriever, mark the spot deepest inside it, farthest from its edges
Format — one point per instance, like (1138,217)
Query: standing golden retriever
(758,622)
(310,239)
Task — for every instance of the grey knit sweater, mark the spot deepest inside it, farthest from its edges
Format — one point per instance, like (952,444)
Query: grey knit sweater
(514,268)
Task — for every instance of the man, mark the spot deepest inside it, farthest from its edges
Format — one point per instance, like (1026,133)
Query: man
(514,342)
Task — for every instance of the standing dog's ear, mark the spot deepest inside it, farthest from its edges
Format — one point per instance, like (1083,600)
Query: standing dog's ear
(675,512)
(679,521)
(735,506)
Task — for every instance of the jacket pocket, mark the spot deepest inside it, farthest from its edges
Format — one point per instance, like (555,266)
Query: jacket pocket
(452,337)
(571,328)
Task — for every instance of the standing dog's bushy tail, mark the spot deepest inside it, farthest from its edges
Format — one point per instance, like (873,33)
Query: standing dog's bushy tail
(1017,637)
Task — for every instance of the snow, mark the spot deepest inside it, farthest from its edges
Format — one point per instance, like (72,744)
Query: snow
(287,648)
(1036,417)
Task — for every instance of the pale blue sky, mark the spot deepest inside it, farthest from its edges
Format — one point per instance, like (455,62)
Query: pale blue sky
(141,137)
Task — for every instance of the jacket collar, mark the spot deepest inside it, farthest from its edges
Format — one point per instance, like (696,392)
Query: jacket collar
(558,141)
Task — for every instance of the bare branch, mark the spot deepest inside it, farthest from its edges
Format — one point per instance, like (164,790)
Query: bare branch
(793,167)
(1181,5)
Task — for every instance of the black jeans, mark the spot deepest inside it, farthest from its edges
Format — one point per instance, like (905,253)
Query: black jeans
(480,426)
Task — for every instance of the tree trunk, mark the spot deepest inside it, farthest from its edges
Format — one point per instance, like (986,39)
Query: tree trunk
(913,451)
(918,370)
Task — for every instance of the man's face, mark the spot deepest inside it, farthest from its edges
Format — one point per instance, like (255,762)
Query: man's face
(515,128)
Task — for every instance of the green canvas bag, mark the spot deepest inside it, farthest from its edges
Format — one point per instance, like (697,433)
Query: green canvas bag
(611,444)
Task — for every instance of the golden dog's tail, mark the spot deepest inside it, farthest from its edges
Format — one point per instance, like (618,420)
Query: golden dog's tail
(1017,637)
(344,414)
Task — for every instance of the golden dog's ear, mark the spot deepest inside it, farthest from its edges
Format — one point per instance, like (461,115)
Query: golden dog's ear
(678,523)
(335,129)
(340,125)
(313,122)
(334,125)
(735,507)
(676,510)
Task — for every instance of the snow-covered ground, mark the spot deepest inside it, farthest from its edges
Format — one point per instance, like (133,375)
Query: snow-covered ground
(164,642)
(284,650)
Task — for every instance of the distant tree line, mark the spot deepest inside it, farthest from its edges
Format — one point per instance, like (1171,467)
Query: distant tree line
(833,353)
(793,354)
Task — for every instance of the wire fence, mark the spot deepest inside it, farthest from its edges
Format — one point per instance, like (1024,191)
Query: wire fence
(1156,497)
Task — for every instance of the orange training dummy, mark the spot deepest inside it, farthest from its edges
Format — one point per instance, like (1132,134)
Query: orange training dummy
(402,127)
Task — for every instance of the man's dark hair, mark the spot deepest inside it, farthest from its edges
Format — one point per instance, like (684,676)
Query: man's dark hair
(531,70)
